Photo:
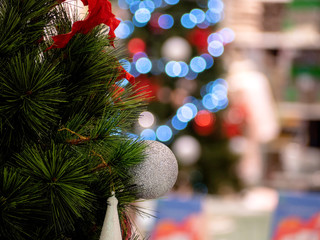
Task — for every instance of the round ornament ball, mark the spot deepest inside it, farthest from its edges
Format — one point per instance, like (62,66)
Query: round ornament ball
(157,174)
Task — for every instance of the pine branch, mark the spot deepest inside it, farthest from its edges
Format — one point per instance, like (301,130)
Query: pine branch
(63,179)
(22,24)
(30,95)
(19,207)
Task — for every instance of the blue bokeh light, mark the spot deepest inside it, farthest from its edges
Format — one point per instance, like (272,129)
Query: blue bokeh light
(164,133)
(215,37)
(142,15)
(198,14)
(205,24)
(138,24)
(169,69)
(148,4)
(221,81)
(191,75)
(125,64)
(148,134)
(198,64)
(209,86)
(171,2)
(143,65)
(177,124)
(210,101)
(157,3)
(166,21)
(138,55)
(213,16)
(130,25)
(188,21)
(223,104)
(184,113)
(134,6)
(133,70)
(122,31)
(222,98)
(209,60)
(216,5)
(217,85)
(215,48)
(193,108)
(184,69)
(227,34)
(131,2)
(176,68)
(219,88)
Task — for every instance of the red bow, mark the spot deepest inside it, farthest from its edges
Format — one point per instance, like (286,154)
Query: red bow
(99,12)
(126,75)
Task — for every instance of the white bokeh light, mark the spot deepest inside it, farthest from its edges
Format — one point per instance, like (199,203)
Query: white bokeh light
(187,149)
(146,119)
(177,49)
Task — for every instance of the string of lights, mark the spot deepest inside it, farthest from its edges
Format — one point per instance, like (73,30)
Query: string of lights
(214,94)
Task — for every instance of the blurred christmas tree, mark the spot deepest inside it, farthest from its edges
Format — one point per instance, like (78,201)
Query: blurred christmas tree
(175,48)
(64,122)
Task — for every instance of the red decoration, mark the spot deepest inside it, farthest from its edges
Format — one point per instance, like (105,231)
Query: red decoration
(117,91)
(154,24)
(126,75)
(188,229)
(99,12)
(298,228)
(204,123)
(231,130)
(149,86)
(136,45)
(234,121)
(198,38)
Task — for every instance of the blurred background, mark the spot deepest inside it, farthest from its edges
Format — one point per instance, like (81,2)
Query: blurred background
(234,87)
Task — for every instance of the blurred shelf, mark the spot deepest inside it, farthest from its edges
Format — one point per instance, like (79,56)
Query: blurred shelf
(295,181)
(276,1)
(278,40)
(299,111)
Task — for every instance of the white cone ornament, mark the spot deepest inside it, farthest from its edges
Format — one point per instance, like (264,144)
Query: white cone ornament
(157,174)
(111,225)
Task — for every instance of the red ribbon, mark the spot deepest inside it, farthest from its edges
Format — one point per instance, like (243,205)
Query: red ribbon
(126,75)
(99,12)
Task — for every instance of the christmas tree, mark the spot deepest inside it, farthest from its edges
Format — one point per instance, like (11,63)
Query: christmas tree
(176,48)
(65,147)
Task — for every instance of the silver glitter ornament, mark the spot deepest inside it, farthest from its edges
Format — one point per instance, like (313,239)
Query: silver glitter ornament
(157,174)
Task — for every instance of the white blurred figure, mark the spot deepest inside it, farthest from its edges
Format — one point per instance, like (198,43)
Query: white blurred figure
(251,88)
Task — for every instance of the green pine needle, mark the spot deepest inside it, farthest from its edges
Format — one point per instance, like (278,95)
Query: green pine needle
(30,94)
(63,178)
(17,204)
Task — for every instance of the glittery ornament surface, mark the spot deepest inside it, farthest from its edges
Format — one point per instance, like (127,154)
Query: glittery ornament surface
(157,174)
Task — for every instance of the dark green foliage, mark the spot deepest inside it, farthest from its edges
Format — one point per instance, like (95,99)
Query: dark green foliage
(63,180)
(30,98)
(18,204)
(63,125)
